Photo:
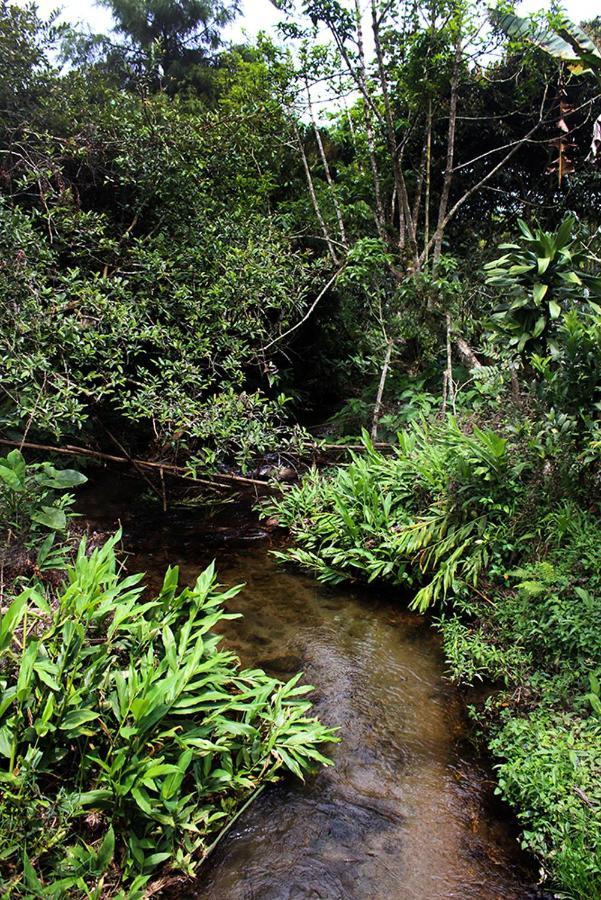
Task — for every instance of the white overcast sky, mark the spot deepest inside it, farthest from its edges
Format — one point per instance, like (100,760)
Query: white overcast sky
(261,15)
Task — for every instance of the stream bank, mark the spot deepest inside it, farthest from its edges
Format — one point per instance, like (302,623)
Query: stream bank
(408,810)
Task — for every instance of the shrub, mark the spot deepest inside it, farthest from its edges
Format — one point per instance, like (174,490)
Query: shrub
(128,738)
(541,640)
(551,773)
(31,496)
(434,512)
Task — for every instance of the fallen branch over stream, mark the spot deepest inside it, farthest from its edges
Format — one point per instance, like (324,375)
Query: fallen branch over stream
(216,481)
(169,468)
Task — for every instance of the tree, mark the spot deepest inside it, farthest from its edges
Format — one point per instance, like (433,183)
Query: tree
(175,35)
(562,39)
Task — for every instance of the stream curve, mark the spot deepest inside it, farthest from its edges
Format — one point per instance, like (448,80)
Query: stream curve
(407,812)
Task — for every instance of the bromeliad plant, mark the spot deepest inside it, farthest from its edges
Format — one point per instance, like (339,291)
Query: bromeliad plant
(541,277)
(128,738)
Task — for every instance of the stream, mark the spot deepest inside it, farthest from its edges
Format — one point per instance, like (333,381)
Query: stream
(407,812)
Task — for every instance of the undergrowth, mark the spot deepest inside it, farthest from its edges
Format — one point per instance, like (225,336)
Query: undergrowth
(129,738)
(433,514)
(493,532)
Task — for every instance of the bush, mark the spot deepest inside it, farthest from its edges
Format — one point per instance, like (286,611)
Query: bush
(551,774)
(541,641)
(128,738)
(32,496)
(433,513)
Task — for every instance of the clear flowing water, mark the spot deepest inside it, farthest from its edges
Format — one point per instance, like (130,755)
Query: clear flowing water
(407,812)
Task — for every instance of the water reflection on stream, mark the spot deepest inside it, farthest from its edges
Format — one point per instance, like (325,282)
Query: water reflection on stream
(406,813)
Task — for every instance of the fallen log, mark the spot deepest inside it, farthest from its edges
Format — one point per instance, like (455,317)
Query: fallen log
(177,471)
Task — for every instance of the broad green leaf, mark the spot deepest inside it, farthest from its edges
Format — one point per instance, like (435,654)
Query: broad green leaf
(52,517)
(11,620)
(32,882)
(10,478)
(554,309)
(26,670)
(60,479)
(106,851)
(77,717)
(543,264)
(6,741)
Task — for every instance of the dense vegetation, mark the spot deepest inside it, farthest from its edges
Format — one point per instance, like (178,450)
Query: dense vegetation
(129,740)
(389,228)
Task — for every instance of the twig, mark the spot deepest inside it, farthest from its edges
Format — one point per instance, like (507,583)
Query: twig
(308,313)
(139,469)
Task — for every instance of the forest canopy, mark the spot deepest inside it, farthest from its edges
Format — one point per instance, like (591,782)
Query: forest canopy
(152,282)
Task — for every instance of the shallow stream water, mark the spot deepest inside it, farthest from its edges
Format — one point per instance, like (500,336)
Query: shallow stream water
(407,812)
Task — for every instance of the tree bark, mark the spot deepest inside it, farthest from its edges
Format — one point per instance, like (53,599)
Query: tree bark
(314,200)
(407,230)
(326,168)
(467,354)
(381,386)
(452,131)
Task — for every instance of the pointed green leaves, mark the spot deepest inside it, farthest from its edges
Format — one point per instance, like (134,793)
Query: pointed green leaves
(554,309)
(51,517)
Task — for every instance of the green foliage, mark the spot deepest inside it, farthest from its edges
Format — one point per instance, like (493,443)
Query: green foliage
(128,738)
(543,277)
(433,512)
(144,271)
(551,773)
(570,376)
(560,38)
(31,495)
(541,641)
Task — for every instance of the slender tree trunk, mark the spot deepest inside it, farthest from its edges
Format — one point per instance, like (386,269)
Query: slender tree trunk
(428,183)
(406,222)
(381,386)
(326,167)
(448,173)
(314,200)
(360,78)
(467,354)
(448,382)
(419,187)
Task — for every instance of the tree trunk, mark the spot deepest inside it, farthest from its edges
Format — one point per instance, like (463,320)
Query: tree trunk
(360,78)
(314,200)
(407,231)
(326,167)
(381,386)
(428,183)
(448,382)
(448,174)
(467,354)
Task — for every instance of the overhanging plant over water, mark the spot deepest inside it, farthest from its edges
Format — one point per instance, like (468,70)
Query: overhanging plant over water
(129,739)
(428,515)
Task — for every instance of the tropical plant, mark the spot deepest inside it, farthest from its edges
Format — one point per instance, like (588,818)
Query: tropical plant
(431,514)
(542,276)
(564,40)
(31,495)
(128,738)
